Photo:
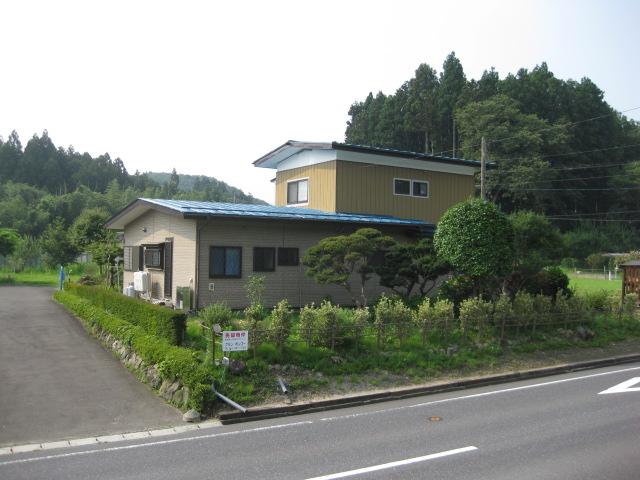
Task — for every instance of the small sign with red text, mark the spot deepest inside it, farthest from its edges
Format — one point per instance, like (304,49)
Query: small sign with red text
(235,341)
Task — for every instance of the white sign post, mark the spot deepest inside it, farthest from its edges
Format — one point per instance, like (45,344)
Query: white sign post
(235,341)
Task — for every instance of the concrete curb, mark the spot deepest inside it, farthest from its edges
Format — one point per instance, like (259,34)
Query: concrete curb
(227,418)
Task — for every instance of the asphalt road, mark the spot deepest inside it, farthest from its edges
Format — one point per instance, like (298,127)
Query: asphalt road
(557,427)
(56,382)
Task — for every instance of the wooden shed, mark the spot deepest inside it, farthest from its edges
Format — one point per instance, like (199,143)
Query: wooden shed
(630,277)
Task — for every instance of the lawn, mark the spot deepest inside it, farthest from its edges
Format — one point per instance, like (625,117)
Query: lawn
(584,284)
(34,277)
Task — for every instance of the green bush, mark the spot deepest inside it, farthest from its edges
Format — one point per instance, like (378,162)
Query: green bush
(309,324)
(154,319)
(328,322)
(217,313)
(474,315)
(424,318)
(523,309)
(174,363)
(550,281)
(280,323)
(390,314)
(502,313)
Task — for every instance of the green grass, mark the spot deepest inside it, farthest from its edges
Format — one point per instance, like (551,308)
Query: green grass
(29,277)
(583,284)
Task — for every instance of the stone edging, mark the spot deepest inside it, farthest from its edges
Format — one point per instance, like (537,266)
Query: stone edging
(258,413)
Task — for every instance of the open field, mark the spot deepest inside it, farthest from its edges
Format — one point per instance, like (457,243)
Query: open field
(584,284)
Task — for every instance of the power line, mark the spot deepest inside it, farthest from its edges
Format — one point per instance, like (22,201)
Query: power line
(573,189)
(595,220)
(595,213)
(566,125)
(562,180)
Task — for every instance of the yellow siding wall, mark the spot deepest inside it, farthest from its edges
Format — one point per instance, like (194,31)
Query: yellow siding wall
(366,188)
(161,226)
(322,185)
(285,282)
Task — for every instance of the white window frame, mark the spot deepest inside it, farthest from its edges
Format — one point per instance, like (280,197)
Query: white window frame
(428,188)
(393,186)
(286,193)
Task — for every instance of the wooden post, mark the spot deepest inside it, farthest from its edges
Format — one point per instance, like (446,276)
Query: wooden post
(483,168)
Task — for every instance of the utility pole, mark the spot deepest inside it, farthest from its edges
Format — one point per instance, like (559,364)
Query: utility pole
(483,169)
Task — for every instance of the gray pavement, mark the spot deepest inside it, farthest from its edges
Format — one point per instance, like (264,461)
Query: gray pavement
(56,382)
(557,427)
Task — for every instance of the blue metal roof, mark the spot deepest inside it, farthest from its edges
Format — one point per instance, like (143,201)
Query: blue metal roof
(206,209)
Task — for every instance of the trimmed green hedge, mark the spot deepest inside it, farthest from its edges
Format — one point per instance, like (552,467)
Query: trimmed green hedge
(154,319)
(174,363)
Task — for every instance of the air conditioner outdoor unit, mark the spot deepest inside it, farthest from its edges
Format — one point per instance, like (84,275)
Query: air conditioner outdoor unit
(141,281)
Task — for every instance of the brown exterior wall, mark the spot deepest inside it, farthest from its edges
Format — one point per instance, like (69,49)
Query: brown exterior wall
(161,226)
(286,282)
(365,188)
(322,185)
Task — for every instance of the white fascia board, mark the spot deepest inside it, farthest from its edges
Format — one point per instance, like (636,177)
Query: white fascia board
(305,158)
(393,161)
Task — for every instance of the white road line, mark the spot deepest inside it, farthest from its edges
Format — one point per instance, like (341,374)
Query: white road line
(119,437)
(476,395)
(151,444)
(399,463)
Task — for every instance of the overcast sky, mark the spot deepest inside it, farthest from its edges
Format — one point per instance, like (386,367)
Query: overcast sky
(208,87)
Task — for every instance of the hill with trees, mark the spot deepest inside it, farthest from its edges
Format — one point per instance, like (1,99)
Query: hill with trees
(50,195)
(560,149)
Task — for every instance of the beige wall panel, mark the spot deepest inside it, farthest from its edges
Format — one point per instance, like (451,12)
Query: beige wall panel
(322,185)
(286,282)
(160,226)
(365,188)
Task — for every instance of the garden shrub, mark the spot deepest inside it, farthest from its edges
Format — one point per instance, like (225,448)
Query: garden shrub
(474,315)
(217,313)
(542,306)
(327,316)
(174,363)
(154,319)
(598,300)
(280,323)
(549,281)
(629,305)
(359,320)
(443,313)
(523,309)
(424,318)
(309,324)
(502,313)
(391,313)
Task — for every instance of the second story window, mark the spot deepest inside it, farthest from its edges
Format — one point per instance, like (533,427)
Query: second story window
(298,191)
(420,189)
(401,186)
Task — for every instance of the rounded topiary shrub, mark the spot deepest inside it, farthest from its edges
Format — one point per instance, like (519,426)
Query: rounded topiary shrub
(476,238)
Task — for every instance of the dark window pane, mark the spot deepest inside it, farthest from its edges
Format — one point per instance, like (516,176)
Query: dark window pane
(217,261)
(402,187)
(420,189)
(264,259)
(153,257)
(288,257)
(292,192)
(232,262)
